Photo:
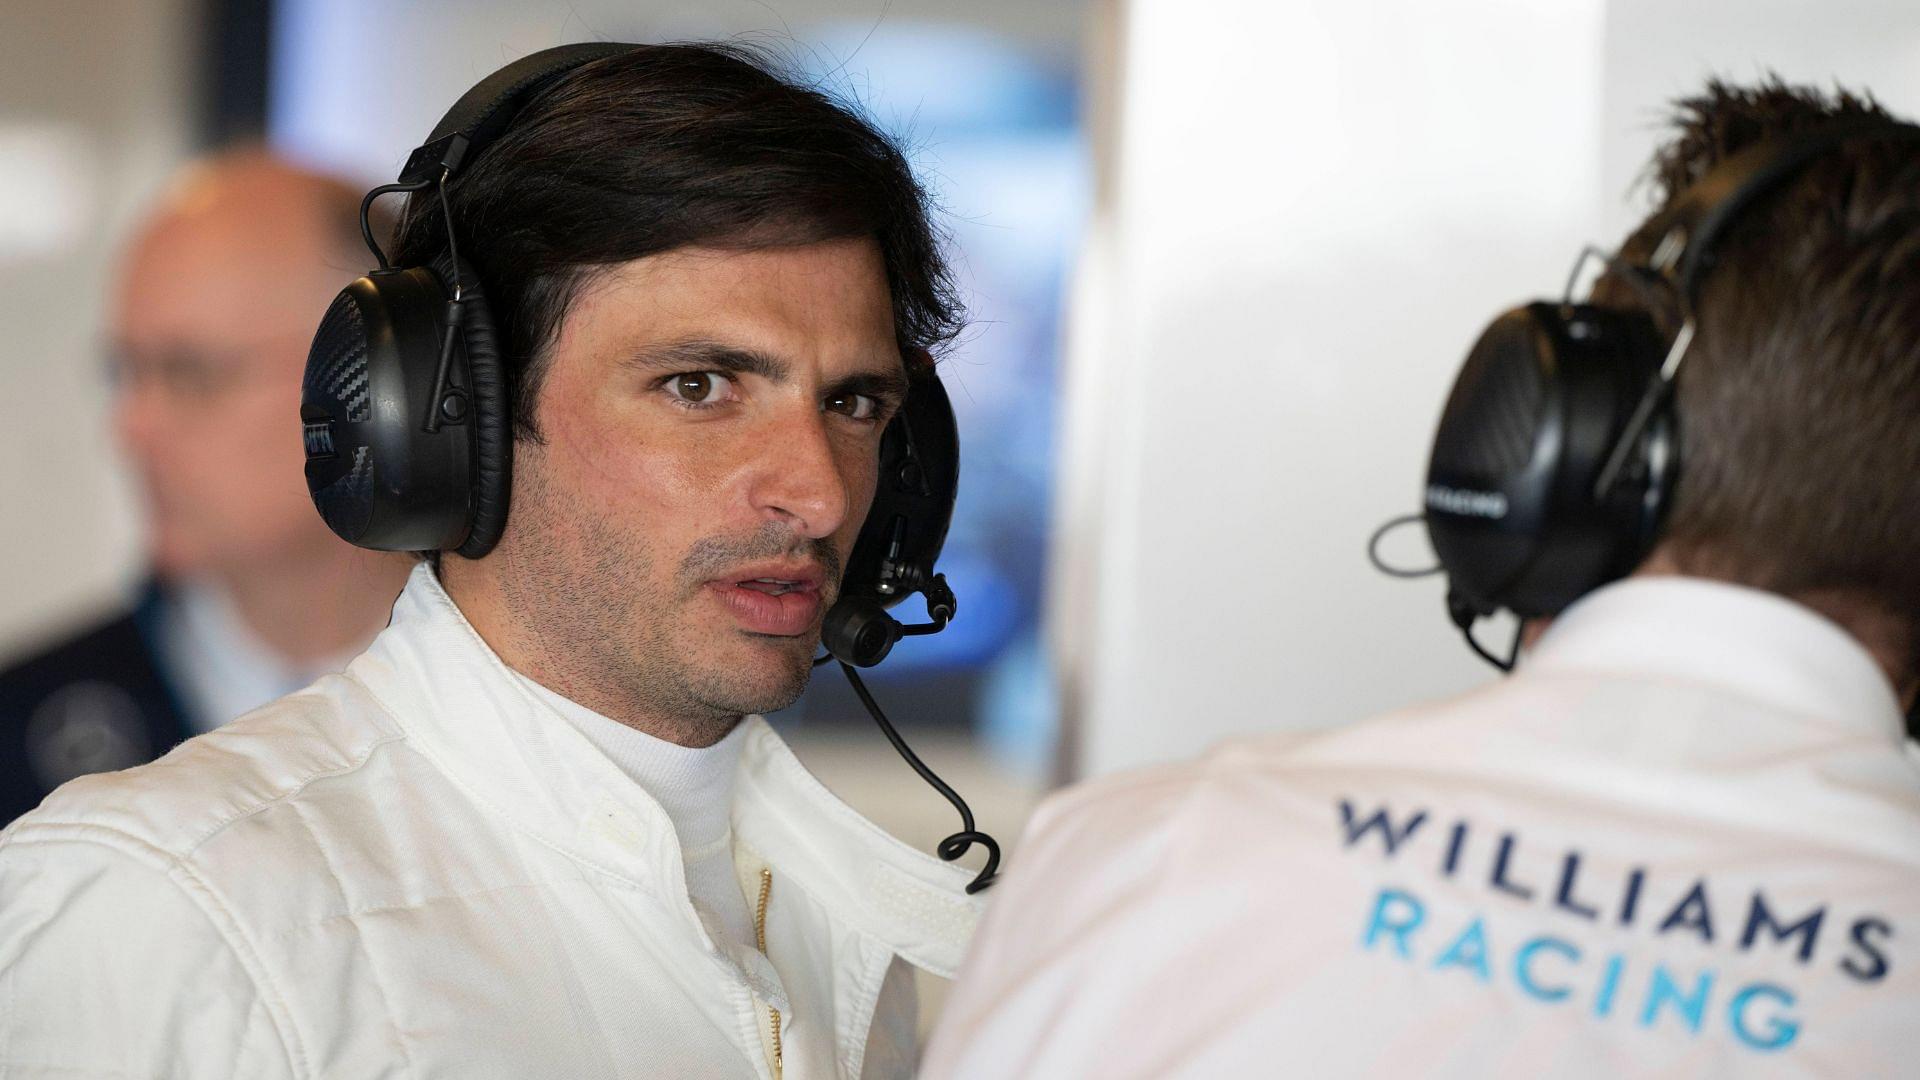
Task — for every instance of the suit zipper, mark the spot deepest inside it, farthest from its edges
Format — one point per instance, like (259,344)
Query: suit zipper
(760,940)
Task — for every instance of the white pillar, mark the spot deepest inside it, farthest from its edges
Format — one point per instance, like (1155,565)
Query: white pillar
(1308,212)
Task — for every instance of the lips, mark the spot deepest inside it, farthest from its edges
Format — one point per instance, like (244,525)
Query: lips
(781,601)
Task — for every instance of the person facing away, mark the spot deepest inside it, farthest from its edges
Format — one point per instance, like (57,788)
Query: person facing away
(536,828)
(249,595)
(1682,839)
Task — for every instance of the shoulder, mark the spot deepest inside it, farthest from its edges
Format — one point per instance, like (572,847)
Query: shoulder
(1119,803)
(94,922)
(1249,797)
(209,784)
(1168,797)
(1117,834)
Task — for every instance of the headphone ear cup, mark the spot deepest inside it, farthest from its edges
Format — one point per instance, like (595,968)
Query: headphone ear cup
(1510,502)
(912,504)
(1494,453)
(334,394)
(379,478)
(485,381)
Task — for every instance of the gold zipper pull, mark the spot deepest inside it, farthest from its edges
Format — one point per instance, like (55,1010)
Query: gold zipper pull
(760,940)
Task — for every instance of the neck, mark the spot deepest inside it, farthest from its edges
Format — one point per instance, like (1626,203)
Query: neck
(340,597)
(508,622)
(1888,637)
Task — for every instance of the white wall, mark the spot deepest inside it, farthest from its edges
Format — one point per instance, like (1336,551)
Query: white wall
(94,113)
(1309,211)
(1657,50)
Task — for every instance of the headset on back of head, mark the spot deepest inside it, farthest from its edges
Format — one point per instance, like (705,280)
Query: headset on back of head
(407,420)
(1558,451)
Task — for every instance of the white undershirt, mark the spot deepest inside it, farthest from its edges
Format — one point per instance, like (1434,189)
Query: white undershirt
(695,787)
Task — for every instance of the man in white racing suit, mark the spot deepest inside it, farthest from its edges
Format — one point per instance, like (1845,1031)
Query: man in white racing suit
(537,829)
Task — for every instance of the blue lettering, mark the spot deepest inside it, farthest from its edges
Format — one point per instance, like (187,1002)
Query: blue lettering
(1389,835)
(1609,983)
(1523,967)
(1412,912)
(1469,951)
(1780,1030)
(1692,1007)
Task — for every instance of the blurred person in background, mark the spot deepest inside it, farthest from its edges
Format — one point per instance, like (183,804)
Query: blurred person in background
(250,596)
(1684,837)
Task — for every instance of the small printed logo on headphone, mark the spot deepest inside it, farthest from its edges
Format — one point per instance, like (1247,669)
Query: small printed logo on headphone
(1491,505)
(319,436)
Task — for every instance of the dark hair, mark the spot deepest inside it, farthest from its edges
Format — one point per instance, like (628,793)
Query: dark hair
(669,146)
(1798,399)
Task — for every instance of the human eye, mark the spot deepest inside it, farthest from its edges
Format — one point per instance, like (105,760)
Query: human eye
(196,375)
(698,389)
(855,406)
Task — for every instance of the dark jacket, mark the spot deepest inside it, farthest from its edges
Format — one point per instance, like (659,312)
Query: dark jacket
(96,701)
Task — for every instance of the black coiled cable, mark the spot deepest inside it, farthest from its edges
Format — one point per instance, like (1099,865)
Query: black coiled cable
(959,843)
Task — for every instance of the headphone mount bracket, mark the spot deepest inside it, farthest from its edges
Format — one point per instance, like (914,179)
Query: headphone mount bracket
(440,158)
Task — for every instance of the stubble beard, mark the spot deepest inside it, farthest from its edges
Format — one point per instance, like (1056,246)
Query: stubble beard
(629,643)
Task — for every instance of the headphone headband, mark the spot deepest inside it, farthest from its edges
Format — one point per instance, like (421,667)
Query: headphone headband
(1695,225)
(405,407)
(1555,459)
(485,111)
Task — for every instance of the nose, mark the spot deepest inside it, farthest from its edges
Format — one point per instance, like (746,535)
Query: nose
(139,422)
(801,482)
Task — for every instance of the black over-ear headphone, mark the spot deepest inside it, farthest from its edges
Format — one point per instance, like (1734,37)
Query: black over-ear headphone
(409,438)
(410,443)
(1558,450)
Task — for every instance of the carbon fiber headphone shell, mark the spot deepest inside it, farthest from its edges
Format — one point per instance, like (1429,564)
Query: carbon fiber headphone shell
(1511,505)
(379,478)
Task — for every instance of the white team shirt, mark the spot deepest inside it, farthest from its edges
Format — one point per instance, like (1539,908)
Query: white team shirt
(1683,840)
(418,868)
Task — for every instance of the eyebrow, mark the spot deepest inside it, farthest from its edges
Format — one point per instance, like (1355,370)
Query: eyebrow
(677,356)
